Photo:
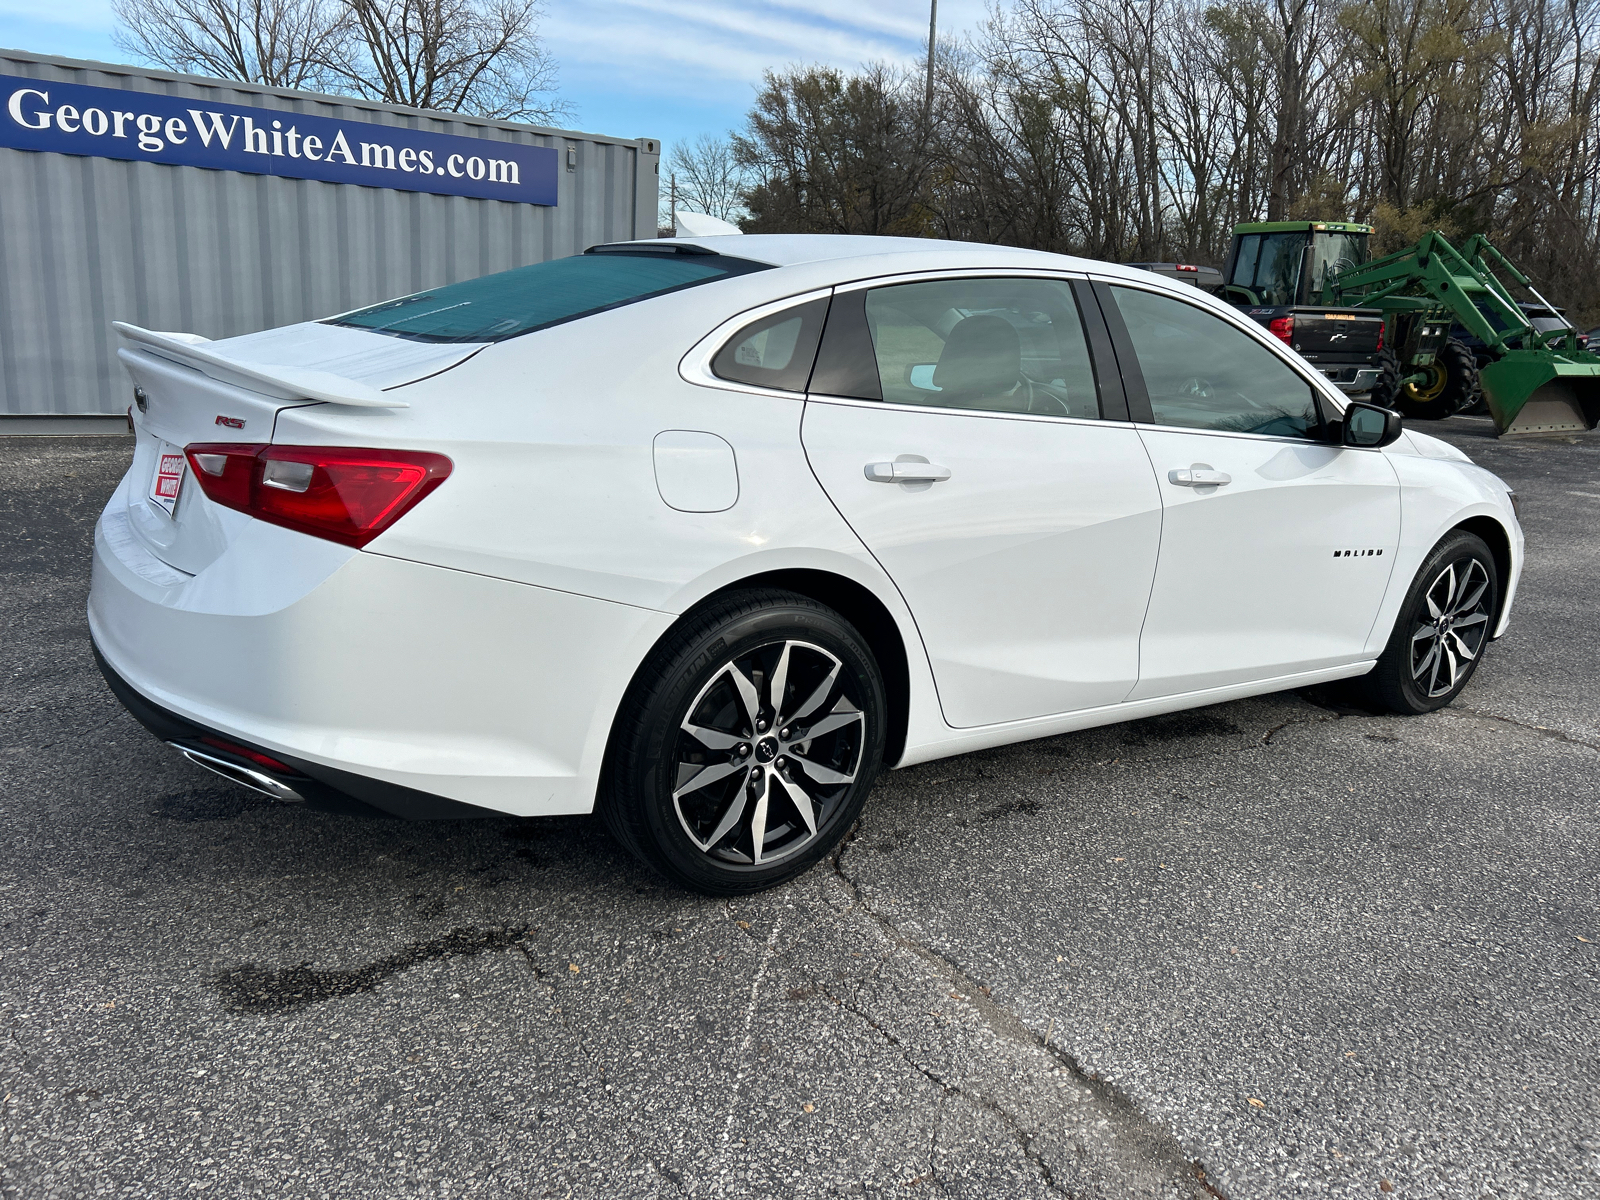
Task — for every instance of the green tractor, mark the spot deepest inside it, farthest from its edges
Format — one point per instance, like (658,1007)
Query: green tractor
(1451,331)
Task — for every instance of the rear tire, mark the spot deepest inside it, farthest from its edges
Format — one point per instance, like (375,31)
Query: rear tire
(786,775)
(1450,607)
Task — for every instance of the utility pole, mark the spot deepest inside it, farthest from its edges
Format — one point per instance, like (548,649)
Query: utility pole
(672,204)
(933,35)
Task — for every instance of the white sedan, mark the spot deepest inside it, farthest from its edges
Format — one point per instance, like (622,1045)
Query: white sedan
(701,533)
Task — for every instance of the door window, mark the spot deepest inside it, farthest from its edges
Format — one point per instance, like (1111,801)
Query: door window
(1204,373)
(1001,345)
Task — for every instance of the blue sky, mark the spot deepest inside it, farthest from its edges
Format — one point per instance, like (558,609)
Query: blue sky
(631,68)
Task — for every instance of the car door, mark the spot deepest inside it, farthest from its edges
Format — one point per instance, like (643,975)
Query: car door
(1277,542)
(958,426)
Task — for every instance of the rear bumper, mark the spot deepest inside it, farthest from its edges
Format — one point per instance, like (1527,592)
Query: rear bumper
(416,690)
(317,786)
(1351,380)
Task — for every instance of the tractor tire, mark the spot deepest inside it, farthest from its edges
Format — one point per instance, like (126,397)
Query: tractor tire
(1386,392)
(1451,386)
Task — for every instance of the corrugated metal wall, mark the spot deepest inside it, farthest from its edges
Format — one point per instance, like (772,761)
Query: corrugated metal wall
(85,241)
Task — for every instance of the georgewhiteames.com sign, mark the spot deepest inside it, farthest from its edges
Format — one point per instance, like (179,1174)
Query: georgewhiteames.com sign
(70,118)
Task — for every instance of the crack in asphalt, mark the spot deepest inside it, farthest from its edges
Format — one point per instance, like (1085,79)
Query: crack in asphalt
(949,1088)
(1541,730)
(1116,1105)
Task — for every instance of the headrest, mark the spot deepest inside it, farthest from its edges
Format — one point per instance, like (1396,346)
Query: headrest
(982,356)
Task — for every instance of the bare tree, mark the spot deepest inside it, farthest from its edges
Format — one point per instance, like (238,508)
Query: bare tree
(281,43)
(477,56)
(474,56)
(710,177)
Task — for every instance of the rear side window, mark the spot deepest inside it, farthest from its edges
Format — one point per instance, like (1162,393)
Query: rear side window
(495,307)
(775,352)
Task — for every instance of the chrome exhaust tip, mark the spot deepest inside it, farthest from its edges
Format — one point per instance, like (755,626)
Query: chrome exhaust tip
(256,781)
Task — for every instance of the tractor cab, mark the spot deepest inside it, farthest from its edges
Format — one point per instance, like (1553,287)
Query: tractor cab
(1275,273)
(1281,263)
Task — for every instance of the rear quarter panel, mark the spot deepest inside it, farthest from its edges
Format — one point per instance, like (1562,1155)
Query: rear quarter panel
(554,483)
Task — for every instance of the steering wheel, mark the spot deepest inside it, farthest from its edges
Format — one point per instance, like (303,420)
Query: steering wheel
(1039,391)
(1196,388)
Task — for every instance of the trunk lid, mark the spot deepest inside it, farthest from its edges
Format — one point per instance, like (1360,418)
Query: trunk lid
(189,390)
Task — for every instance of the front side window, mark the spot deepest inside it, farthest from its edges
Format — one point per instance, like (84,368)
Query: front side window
(495,307)
(1001,345)
(1204,373)
(1335,252)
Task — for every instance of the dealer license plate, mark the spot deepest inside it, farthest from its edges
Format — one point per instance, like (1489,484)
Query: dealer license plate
(167,482)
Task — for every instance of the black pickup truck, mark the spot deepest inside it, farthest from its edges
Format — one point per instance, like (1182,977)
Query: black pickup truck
(1341,343)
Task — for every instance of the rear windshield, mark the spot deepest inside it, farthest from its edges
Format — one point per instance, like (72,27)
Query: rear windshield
(500,306)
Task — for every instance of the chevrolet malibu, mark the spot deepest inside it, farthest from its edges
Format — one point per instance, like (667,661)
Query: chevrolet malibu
(702,533)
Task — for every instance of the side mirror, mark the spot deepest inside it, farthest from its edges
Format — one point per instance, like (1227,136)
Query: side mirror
(1369,426)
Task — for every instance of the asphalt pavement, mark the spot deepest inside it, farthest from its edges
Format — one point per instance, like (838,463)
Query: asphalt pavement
(1273,948)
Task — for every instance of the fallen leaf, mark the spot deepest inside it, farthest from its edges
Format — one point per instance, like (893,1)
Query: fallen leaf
(1060,959)
(1385,1186)
(1584,940)
(742,924)
(1254,1103)
(1349,1053)
(809,1107)
(573,967)
(1119,860)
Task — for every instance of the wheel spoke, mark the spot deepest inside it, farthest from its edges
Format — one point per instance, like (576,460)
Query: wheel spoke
(1461,647)
(1451,658)
(779,682)
(816,698)
(1427,661)
(729,820)
(712,739)
(758,822)
(1425,631)
(1434,611)
(801,801)
(747,693)
(821,773)
(1474,619)
(1471,601)
(707,777)
(837,720)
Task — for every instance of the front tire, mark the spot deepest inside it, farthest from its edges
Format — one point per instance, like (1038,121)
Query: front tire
(1451,385)
(1441,632)
(747,744)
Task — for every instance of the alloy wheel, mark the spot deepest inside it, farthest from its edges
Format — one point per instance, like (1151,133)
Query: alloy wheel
(1451,625)
(767,753)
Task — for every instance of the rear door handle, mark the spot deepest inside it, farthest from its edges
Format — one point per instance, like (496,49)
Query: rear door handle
(907,472)
(1198,477)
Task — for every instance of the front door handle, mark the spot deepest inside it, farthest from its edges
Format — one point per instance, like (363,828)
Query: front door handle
(907,472)
(1198,477)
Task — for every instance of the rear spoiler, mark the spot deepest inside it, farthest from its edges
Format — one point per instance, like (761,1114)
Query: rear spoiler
(285,382)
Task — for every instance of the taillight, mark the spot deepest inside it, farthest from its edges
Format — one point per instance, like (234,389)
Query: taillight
(335,492)
(1380,337)
(1282,327)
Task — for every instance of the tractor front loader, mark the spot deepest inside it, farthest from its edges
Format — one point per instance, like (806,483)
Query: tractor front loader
(1534,383)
